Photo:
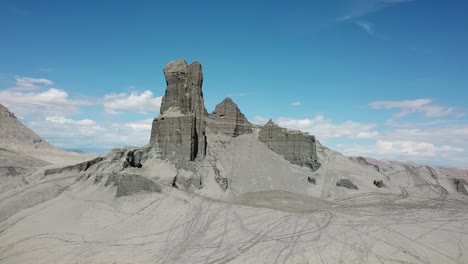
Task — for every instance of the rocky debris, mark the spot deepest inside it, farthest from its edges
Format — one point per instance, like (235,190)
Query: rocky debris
(179,130)
(460,186)
(133,159)
(9,171)
(221,181)
(229,120)
(6,113)
(432,172)
(80,167)
(186,178)
(297,147)
(346,183)
(311,179)
(128,184)
(378,183)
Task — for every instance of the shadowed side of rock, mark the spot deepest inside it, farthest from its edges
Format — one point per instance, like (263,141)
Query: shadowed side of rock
(297,147)
(179,130)
(228,119)
(128,184)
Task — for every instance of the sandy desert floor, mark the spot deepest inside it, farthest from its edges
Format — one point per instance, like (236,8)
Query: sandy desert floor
(86,223)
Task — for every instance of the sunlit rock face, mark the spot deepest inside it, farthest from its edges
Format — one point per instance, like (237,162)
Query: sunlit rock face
(179,130)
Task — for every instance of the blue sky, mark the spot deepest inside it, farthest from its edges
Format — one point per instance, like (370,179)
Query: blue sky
(380,78)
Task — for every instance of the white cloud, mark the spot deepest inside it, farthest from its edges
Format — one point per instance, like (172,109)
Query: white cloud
(70,133)
(66,121)
(49,102)
(296,103)
(325,128)
(435,145)
(139,102)
(27,83)
(74,129)
(424,106)
(414,148)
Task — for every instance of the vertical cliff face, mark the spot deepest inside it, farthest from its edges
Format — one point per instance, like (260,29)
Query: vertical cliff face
(228,119)
(179,130)
(296,147)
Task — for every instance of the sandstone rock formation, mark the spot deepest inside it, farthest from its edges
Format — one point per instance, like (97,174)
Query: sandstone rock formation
(179,131)
(228,119)
(297,147)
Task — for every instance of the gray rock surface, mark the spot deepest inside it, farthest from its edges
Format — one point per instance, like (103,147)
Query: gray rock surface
(14,133)
(128,184)
(80,167)
(179,130)
(296,146)
(228,119)
(460,186)
(346,183)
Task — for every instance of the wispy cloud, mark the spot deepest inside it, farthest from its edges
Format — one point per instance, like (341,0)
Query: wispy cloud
(326,128)
(424,106)
(359,8)
(296,103)
(31,84)
(366,26)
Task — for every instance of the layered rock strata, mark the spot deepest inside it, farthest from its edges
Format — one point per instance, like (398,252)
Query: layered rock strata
(296,147)
(179,130)
(229,120)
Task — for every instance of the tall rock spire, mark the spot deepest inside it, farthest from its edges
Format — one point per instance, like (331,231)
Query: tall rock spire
(179,130)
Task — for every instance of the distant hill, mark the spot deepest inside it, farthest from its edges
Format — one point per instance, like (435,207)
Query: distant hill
(14,134)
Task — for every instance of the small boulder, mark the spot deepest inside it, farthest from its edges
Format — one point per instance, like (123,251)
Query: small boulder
(311,179)
(379,183)
(460,186)
(346,183)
